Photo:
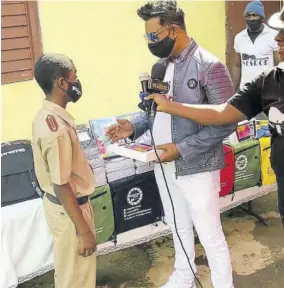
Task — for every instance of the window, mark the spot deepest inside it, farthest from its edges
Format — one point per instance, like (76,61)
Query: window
(20,40)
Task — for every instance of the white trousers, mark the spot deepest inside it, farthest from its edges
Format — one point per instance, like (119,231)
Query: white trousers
(196,202)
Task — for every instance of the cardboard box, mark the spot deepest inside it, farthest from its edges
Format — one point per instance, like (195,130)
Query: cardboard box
(141,152)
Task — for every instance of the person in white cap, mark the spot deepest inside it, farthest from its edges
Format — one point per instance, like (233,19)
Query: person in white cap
(265,93)
(255,47)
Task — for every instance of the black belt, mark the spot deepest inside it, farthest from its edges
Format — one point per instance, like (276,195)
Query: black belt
(55,200)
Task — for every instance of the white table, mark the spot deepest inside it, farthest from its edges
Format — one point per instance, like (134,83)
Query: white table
(27,244)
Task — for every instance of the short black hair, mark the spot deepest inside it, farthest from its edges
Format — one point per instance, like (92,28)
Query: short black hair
(166,11)
(50,66)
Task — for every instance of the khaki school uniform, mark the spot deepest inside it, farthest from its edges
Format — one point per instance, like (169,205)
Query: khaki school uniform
(59,159)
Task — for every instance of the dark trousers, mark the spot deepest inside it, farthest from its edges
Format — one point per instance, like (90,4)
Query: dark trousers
(277,163)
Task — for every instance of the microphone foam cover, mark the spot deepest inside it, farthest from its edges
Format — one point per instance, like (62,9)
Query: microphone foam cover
(144,76)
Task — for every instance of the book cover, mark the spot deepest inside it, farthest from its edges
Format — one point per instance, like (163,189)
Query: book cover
(98,130)
(262,128)
(246,130)
(99,127)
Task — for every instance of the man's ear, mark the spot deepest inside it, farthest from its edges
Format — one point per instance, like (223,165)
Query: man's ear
(61,83)
(175,31)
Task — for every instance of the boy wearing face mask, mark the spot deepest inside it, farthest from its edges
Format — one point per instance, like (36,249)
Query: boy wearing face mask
(255,47)
(193,152)
(64,174)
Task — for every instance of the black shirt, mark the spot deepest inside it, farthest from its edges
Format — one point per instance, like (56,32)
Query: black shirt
(261,94)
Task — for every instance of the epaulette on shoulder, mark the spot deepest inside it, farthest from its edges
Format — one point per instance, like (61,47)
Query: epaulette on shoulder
(51,123)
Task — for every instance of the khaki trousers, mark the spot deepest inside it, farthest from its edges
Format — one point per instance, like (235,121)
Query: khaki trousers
(71,270)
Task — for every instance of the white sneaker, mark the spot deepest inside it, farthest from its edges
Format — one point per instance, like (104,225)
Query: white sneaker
(169,285)
(173,283)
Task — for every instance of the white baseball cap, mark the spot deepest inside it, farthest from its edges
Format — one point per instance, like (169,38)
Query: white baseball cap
(277,20)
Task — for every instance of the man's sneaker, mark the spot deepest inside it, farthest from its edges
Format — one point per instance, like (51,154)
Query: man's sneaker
(169,285)
(173,283)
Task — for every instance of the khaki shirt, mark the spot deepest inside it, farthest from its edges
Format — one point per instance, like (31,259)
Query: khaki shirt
(58,156)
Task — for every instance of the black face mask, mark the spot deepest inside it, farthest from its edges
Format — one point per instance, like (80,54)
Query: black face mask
(254,25)
(74,90)
(163,48)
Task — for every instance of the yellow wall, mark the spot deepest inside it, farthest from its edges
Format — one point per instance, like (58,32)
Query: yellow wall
(105,40)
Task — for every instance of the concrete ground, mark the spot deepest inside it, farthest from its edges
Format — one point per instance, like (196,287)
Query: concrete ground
(257,255)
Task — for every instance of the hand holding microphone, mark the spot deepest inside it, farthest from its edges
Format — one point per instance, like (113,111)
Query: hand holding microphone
(160,100)
(143,103)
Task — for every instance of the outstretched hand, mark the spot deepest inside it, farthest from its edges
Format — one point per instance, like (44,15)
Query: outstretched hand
(121,130)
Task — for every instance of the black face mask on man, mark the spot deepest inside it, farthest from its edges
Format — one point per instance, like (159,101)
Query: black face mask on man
(254,25)
(74,90)
(163,48)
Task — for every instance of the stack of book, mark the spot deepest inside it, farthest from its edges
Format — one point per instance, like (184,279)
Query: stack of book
(142,167)
(99,172)
(119,168)
(92,154)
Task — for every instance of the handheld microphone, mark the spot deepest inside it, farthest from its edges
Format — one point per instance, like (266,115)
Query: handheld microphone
(157,76)
(144,78)
(145,105)
(158,71)
(151,85)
